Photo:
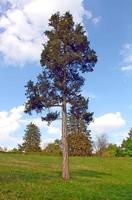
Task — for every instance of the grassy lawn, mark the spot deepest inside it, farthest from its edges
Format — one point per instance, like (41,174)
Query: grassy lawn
(38,177)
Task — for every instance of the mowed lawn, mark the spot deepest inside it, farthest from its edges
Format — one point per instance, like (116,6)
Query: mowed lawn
(38,177)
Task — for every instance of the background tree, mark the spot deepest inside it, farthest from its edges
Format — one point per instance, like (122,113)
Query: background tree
(119,152)
(53,148)
(101,145)
(57,141)
(79,117)
(111,150)
(79,144)
(79,139)
(31,140)
(65,57)
(127,145)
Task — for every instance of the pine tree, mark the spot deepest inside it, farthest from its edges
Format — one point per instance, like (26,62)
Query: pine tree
(79,117)
(79,139)
(31,140)
(65,57)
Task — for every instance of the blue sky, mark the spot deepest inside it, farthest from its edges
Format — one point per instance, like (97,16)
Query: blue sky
(109,28)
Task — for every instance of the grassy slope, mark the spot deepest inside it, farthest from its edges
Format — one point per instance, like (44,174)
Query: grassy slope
(37,177)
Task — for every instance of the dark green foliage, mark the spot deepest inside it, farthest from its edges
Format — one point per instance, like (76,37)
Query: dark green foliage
(79,117)
(51,116)
(79,140)
(127,145)
(31,139)
(64,56)
(119,152)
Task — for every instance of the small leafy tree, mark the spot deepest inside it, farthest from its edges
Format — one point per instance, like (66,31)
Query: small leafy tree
(65,57)
(53,148)
(31,139)
(111,150)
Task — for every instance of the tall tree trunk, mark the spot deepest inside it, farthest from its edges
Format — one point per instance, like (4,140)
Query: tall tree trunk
(65,163)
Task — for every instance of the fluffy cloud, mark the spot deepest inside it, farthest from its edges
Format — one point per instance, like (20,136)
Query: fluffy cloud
(13,124)
(118,137)
(10,123)
(127,58)
(107,122)
(22,24)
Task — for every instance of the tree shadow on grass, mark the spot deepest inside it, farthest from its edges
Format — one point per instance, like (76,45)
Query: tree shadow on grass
(29,176)
(15,175)
(89,173)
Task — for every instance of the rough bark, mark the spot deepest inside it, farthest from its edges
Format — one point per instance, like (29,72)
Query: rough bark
(65,163)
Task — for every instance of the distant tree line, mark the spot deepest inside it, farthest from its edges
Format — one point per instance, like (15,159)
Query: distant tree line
(103,148)
(79,143)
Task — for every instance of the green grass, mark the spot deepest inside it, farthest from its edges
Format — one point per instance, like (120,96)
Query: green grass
(38,177)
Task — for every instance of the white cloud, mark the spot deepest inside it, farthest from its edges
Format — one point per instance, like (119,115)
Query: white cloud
(107,122)
(111,124)
(13,124)
(127,58)
(96,20)
(127,68)
(10,122)
(25,21)
(53,130)
(118,137)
